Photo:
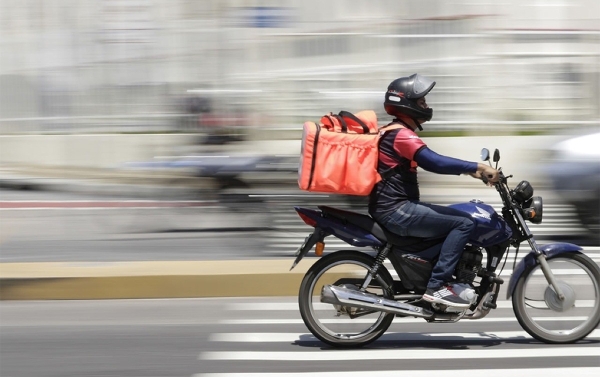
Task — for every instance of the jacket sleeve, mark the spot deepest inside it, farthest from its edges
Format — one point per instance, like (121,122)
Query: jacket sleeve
(436,163)
(407,143)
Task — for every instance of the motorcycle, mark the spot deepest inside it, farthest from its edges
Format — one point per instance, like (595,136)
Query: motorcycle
(349,298)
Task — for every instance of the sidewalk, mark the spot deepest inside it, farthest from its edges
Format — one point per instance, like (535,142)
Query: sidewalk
(147,280)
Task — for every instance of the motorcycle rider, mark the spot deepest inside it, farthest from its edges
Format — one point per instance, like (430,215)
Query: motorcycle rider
(394,201)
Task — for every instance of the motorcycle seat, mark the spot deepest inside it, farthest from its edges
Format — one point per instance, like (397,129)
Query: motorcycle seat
(367,223)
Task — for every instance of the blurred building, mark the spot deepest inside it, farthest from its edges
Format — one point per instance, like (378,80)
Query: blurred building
(105,65)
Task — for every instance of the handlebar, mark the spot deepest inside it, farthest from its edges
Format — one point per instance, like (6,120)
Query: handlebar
(502,178)
(484,179)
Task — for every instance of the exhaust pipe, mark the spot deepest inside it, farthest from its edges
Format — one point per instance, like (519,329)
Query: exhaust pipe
(337,295)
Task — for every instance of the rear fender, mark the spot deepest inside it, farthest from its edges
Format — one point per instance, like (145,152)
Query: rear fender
(347,232)
(529,261)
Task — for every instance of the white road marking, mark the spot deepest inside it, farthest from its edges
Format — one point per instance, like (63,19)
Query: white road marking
(401,354)
(529,372)
(293,306)
(409,336)
(399,321)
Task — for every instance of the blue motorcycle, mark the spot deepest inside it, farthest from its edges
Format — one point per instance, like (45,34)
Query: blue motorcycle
(349,298)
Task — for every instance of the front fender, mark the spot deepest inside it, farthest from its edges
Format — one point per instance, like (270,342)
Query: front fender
(530,260)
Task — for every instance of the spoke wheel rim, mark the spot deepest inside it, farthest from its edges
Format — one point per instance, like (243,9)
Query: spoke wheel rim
(580,311)
(322,325)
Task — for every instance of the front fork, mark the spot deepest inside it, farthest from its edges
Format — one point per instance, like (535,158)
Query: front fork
(541,258)
(550,276)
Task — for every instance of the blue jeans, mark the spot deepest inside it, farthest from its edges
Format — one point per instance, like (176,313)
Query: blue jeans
(417,219)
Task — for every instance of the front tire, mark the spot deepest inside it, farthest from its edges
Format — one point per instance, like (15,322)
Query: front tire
(547,318)
(334,324)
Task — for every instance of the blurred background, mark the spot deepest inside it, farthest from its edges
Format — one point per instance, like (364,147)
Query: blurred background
(201,103)
(185,66)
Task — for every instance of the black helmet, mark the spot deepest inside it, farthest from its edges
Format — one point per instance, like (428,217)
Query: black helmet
(402,95)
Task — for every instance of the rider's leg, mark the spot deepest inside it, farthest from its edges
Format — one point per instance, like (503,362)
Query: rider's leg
(426,220)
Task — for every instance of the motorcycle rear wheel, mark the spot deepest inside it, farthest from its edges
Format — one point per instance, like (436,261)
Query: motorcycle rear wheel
(547,318)
(334,325)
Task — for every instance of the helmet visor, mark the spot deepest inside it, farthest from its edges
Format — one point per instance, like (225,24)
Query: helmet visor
(421,86)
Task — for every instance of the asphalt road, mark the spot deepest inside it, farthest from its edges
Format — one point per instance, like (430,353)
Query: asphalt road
(260,336)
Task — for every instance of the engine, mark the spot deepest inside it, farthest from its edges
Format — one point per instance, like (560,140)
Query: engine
(469,264)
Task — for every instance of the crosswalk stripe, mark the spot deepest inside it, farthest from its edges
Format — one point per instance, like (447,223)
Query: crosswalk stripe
(530,372)
(293,306)
(224,353)
(410,336)
(401,354)
(298,321)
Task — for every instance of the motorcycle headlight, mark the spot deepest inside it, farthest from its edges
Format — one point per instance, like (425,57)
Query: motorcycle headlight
(523,192)
(535,210)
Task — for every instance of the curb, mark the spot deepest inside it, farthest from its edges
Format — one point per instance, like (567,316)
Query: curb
(150,280)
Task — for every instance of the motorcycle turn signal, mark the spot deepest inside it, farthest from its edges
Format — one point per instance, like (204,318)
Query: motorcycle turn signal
(535,212)
(319,247)
(529,213)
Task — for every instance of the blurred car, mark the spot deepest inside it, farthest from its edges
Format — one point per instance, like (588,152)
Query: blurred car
(574,172)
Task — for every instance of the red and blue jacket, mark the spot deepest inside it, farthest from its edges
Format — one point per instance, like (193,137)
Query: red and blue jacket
(401,151)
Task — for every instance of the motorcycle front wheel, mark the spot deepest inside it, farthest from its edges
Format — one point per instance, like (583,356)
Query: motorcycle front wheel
(344,326)
(544,315)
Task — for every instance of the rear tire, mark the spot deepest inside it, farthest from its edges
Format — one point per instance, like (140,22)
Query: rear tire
(307,301)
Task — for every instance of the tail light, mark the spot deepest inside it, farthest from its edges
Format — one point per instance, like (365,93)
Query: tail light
(308,220)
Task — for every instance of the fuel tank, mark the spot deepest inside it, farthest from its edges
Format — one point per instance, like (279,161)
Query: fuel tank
(491,229)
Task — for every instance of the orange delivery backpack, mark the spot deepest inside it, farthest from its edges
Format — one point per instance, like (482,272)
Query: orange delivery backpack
(340,154)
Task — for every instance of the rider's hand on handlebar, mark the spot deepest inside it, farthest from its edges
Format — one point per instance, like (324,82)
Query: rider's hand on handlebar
(487,174)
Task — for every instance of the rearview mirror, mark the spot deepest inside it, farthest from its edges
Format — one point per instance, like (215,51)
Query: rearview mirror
(485,154)
(496,155)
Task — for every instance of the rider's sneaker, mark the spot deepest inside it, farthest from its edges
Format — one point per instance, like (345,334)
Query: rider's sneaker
(446,296)
(465,291)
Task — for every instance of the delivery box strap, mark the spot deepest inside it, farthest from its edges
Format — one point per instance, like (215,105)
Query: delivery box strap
(314,159)
(339,119)
(346,114)
(343,124)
